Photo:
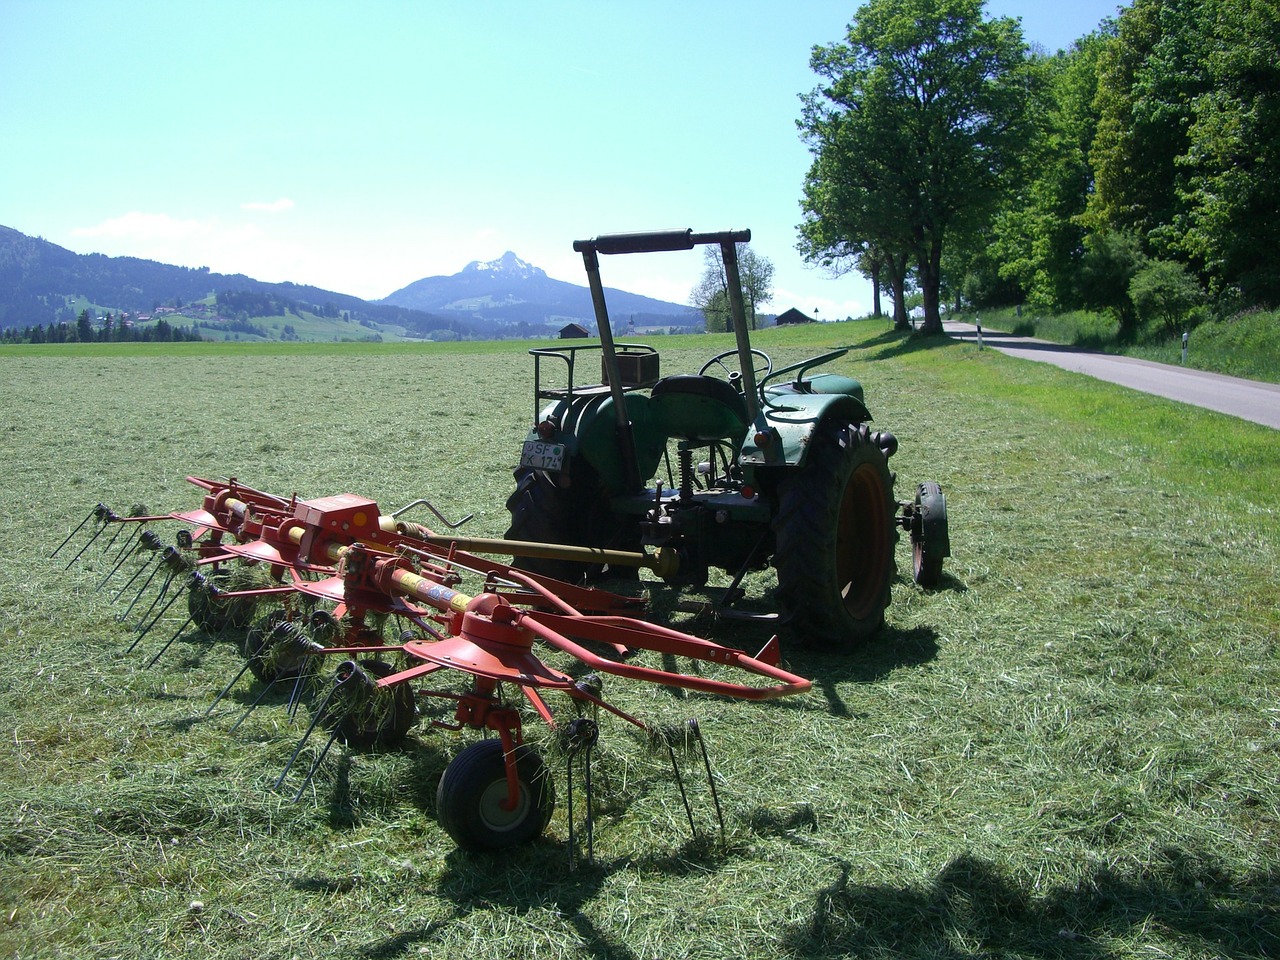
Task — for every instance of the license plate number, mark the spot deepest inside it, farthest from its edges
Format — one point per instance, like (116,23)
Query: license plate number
(542,456)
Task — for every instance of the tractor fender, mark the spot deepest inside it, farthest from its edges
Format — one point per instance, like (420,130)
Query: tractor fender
(787,423)
(595,438)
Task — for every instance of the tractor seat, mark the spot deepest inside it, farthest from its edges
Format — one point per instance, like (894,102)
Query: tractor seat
(698,408)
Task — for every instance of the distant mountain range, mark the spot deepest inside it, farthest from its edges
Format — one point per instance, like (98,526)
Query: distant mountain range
(42,284)
(518,292)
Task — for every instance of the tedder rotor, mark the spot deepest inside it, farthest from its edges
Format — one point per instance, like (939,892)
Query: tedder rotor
(331,568)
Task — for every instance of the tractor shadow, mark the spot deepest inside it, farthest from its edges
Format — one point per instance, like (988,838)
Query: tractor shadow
(1188,898)
(892,649)
(535,878)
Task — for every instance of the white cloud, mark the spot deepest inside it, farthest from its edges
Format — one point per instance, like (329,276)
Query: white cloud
(136,225)
(275,206)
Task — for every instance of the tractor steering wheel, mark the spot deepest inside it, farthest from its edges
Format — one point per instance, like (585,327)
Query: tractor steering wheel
(761,370)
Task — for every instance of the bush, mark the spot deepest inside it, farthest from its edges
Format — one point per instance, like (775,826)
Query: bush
(1164,291)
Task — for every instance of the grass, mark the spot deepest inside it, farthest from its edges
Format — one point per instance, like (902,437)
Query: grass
(1070,750)
(1244,345)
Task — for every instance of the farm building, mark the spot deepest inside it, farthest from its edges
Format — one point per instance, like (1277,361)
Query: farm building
(573,331)
(793,316)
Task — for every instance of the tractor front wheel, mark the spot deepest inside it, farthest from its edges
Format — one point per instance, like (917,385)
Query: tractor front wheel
(930,542)
(835,532)
(473,798)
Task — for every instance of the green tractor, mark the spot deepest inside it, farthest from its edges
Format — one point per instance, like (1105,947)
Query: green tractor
(739,466)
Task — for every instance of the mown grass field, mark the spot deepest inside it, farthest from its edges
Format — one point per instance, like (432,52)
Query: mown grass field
(1070,750)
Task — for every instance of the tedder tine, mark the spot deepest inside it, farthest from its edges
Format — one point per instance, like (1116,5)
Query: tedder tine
(582,735)
(693,732)
(295,695)
(106,516)
(696,731)
(141,590)
(684,795)
(227,689)
(311,771)
(143,631)
(101,511)
(324,706)
(130,545)
(114,537)
(169,643)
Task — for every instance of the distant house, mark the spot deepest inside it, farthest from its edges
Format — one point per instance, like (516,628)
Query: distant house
(573,331)
(793,316)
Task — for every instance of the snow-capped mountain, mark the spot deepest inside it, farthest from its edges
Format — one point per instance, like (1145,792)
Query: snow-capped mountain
(511,290)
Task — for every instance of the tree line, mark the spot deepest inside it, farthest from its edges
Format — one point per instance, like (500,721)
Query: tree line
(1136,172)
(112,330)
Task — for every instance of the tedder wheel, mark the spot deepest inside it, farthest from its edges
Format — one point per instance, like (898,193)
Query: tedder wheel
(470,801)
(930,542)
(364,715)
(579,515)
(835,531)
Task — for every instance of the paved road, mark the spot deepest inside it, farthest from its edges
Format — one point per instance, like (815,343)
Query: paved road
(1247,399)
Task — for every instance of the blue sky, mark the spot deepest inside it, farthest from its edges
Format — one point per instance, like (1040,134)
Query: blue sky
(361,146)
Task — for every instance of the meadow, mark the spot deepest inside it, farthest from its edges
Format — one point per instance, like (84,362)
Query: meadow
(1070,750)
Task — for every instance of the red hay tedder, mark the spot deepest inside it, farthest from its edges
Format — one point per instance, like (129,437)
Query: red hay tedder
(334,568)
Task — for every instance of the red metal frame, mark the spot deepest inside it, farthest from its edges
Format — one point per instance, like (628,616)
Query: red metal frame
(343,550)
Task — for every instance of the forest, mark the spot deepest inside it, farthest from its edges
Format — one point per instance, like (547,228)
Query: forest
(1137,172)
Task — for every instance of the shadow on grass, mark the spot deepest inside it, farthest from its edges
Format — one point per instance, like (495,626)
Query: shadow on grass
(895,344)
(972,908)
(519,880)
(892,649)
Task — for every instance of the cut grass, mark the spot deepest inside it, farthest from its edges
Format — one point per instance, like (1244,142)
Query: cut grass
(1070,750)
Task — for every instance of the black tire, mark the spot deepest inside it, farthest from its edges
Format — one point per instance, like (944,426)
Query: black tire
(835,532)
(472,788)
(366,719)
(929,537)
(579,515)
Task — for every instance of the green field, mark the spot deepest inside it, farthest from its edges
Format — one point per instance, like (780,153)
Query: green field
(1070,750)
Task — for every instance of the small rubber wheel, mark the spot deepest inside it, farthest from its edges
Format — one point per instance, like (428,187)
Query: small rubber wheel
(471,800)
(929,537)
(370,717)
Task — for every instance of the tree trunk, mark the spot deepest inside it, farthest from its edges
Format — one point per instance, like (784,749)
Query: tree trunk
(898,284)
(876,310)
(930,284)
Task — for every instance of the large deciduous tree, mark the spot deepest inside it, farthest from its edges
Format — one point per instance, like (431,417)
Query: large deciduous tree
(711,294)
(920,117)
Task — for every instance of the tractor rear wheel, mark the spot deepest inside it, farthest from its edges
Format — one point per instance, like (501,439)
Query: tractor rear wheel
(472,798)
(578,515)
(835,531)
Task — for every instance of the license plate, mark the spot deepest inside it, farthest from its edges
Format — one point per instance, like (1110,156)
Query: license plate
(542,456)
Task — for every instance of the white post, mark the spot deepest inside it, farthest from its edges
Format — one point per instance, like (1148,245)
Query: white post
(979,326)
(1184,347)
